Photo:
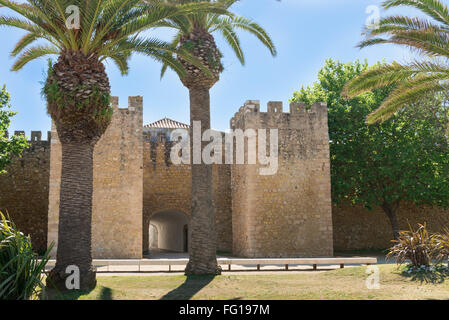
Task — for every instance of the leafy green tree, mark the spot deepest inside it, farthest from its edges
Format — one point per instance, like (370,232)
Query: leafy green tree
(83,34)
(195,34)
(405,158)
(427,37)
(8,147)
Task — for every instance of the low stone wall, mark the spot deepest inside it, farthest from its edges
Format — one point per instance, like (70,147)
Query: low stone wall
(357,228)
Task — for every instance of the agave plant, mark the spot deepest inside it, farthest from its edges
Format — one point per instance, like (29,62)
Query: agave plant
(83,34)
(414,245)
(426,37)
(20,269)
(442,246)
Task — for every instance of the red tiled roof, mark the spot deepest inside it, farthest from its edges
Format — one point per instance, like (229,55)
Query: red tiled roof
(167,124)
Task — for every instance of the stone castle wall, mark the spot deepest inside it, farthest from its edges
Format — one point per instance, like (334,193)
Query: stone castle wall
(357,228)
(24,190)
(118,189)
(287,214)
(167,187)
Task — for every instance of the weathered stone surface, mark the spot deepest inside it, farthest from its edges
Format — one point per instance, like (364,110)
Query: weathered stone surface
(167,187)
(357,228)
(283,215)
(24,191)
(118,188)
(287,214)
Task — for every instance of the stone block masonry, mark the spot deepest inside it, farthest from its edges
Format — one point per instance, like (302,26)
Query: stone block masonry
(24,190)
(167,187)
(357,228)
(118,186)
(287,214)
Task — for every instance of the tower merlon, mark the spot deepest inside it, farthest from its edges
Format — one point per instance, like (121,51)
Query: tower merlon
(319,107)
(19,133)
(300,107)
(135,104)
(251,106)
(275,107)
(36,136)
(297,107)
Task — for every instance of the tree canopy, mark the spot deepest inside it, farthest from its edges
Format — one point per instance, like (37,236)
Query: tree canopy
(107,29)
(8,147)
(405,158)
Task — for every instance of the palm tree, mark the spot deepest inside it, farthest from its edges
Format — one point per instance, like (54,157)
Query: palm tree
(194,34)
(78,93)
(427,37)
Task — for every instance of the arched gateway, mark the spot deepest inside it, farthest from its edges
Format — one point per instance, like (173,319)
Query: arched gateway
(167,232)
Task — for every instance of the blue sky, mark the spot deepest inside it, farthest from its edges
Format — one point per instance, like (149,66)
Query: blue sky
(306,32)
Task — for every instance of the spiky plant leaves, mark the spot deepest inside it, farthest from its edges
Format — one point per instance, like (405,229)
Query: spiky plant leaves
(20,268)
(414,245)
(442,246)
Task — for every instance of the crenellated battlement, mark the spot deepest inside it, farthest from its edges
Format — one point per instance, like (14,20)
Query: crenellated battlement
(287,213)
(277,206)
(250,113)
(35,136)
(135,104)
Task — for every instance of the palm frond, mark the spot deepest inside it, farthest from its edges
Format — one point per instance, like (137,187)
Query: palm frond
(33,53)
(429,42)
(433,8)
(377,77)
(407,93)
(107,28)
(426,37)
(224,24)
(232,23)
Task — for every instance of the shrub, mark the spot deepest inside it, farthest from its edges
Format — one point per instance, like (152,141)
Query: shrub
(418,246)
(20,268)
(442,246)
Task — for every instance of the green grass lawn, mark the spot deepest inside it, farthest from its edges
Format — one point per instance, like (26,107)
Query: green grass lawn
(348,283)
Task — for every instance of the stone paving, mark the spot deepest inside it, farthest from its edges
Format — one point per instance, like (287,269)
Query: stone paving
(236,269)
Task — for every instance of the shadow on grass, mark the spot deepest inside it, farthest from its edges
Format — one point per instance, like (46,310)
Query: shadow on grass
(434,277)
(106,293)
(192,285)
(55,294)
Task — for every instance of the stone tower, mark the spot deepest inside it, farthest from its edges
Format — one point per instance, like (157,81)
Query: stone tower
(288,213)
(118,185)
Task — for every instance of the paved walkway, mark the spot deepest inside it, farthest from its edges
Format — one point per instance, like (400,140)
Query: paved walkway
(236,269)
(234,273)
(163,270)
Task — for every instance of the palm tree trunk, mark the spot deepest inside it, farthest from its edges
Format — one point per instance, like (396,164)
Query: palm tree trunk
(202,244)
(75,217)
(391,212)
